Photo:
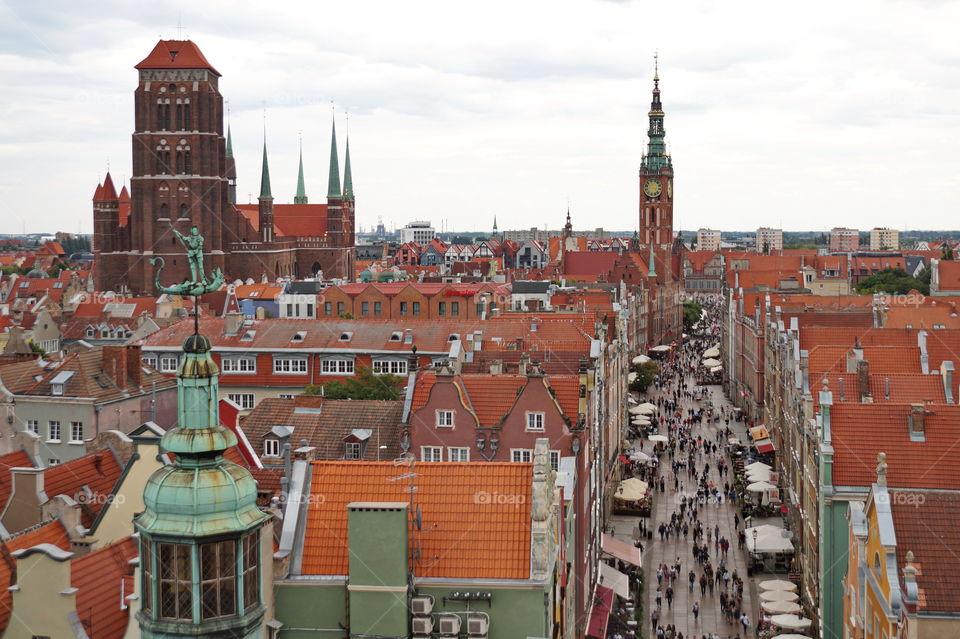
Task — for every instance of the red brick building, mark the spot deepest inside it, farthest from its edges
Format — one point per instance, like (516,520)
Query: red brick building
(184,175)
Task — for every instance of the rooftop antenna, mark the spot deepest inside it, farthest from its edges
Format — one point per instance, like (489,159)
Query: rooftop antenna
(180,25)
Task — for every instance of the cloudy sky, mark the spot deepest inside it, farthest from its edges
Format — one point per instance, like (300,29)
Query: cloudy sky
(804,116)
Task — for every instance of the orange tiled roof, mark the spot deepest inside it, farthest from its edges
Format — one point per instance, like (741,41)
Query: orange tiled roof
(949,272)
(468,539)
(928,527)
(291,220)
(175,54)
(16,459)
(99,471)
(102,578)
(51,532)
(860,431)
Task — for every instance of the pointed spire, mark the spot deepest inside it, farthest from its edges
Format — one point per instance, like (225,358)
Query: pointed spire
(494,223)
(347,173)
(301,196)
(656,156)
(109,192)
(333,184)
(651,266)
(265,193)
(229,143)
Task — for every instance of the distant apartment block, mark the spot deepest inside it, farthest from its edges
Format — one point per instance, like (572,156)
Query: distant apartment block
(419,232)
(844,240)
(769,239)
(534,234)
(884,239)
(708,240)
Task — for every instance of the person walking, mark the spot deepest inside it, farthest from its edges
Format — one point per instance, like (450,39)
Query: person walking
(745,622)
(669,594)
(693,578)
(696,611)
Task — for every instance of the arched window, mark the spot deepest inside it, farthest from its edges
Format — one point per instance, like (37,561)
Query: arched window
(164,212)
(179,162)
(186,163)
(159,116)
(179,116)
(186,116)
(183,210)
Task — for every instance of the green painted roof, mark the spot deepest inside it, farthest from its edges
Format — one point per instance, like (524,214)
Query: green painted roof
(229,143)
(265,176)
(347,173)
(333,184)
(301,196)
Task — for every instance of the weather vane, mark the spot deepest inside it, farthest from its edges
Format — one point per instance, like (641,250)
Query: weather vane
(198,283)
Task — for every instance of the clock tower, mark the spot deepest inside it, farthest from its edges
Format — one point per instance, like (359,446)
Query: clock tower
(656,179)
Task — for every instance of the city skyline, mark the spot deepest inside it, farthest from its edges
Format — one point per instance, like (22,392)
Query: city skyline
(461,120)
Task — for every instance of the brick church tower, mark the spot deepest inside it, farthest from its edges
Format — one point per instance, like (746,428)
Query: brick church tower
(656,180)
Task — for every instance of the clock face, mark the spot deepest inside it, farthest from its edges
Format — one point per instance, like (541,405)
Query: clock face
(652,188)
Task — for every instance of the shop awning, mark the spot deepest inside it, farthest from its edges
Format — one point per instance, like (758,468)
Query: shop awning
(615,580)
(620,549)
(600,615)
(764,446)
(759,432)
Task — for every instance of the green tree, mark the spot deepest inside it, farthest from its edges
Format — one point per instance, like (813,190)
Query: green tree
(691,314)
(365,385)
(893,281)
(645,374)
(947,252)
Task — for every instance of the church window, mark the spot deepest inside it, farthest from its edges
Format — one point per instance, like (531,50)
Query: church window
(218,565)
(251,570)
(179,116)
(186,116)
(187,168)
(164,213)
(179,162)
(183,210)
(176,581)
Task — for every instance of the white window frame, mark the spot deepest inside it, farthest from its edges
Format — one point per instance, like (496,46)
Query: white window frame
(51,424)
(165,361)
(271,448)
(352,451)
(53,461)
(239,364)
(445,419)
(286,395)
(74,426)
(33,426)
(431,453)
(389,367)
(337,366)
(521,455)
(555,460)
(290,365)
(536,421)
(150,360)
(458,453)
(246,401)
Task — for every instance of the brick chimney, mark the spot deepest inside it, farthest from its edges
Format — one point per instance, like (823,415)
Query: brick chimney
(863,381)
(232,322)
(134,364)
(114,362)
(915,420)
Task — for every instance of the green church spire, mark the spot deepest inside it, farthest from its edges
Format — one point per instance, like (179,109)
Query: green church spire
(656,156)
(347,173)
(301,196)
(229,143)
(333,184)
(265,176)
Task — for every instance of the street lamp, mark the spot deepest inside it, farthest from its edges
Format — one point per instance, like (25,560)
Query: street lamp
(755,541)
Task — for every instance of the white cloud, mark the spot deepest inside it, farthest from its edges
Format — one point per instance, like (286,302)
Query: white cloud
(802,115)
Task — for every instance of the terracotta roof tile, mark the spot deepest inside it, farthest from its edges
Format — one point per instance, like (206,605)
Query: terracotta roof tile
(175,54)
(52,532)
(468,538)
(102,578)
(928,523)
(860,431)
(98,471)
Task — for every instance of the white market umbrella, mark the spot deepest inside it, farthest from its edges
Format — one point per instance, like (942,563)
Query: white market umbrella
(755,465)
(791,622)
(760,487)
(631,377)
(639,456)
(777,584)
(631,489)
(636,410)
(778,595)
(631,399)
(658,438)
(712,363)
(733,440)
(648,406)
(716,369)
(781,607)
(791,635)
(712,352)
(758,475)
(641,421)
(640,359)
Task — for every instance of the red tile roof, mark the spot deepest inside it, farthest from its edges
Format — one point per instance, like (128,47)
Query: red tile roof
(291,220)
(7,579)
(52,532)
(103,578)
(16,459)
(860,431)
(928,524)
(98,471)
(175,54)
(593,263)
(468,539)
(949,272)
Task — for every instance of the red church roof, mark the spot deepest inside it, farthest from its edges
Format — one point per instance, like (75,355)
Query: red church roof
(176,54)
(291,220)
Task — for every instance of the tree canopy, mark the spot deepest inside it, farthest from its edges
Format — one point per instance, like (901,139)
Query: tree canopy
(691,314)
(645,374)
(894,281)
(365,385)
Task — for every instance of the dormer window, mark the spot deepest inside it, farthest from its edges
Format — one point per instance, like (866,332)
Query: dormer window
(453,337)
(253,294)
(298,336)
(248,336)
(90,332)
(396,336)
(346,336)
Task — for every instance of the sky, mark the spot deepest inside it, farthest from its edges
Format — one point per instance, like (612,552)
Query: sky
(802,116)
